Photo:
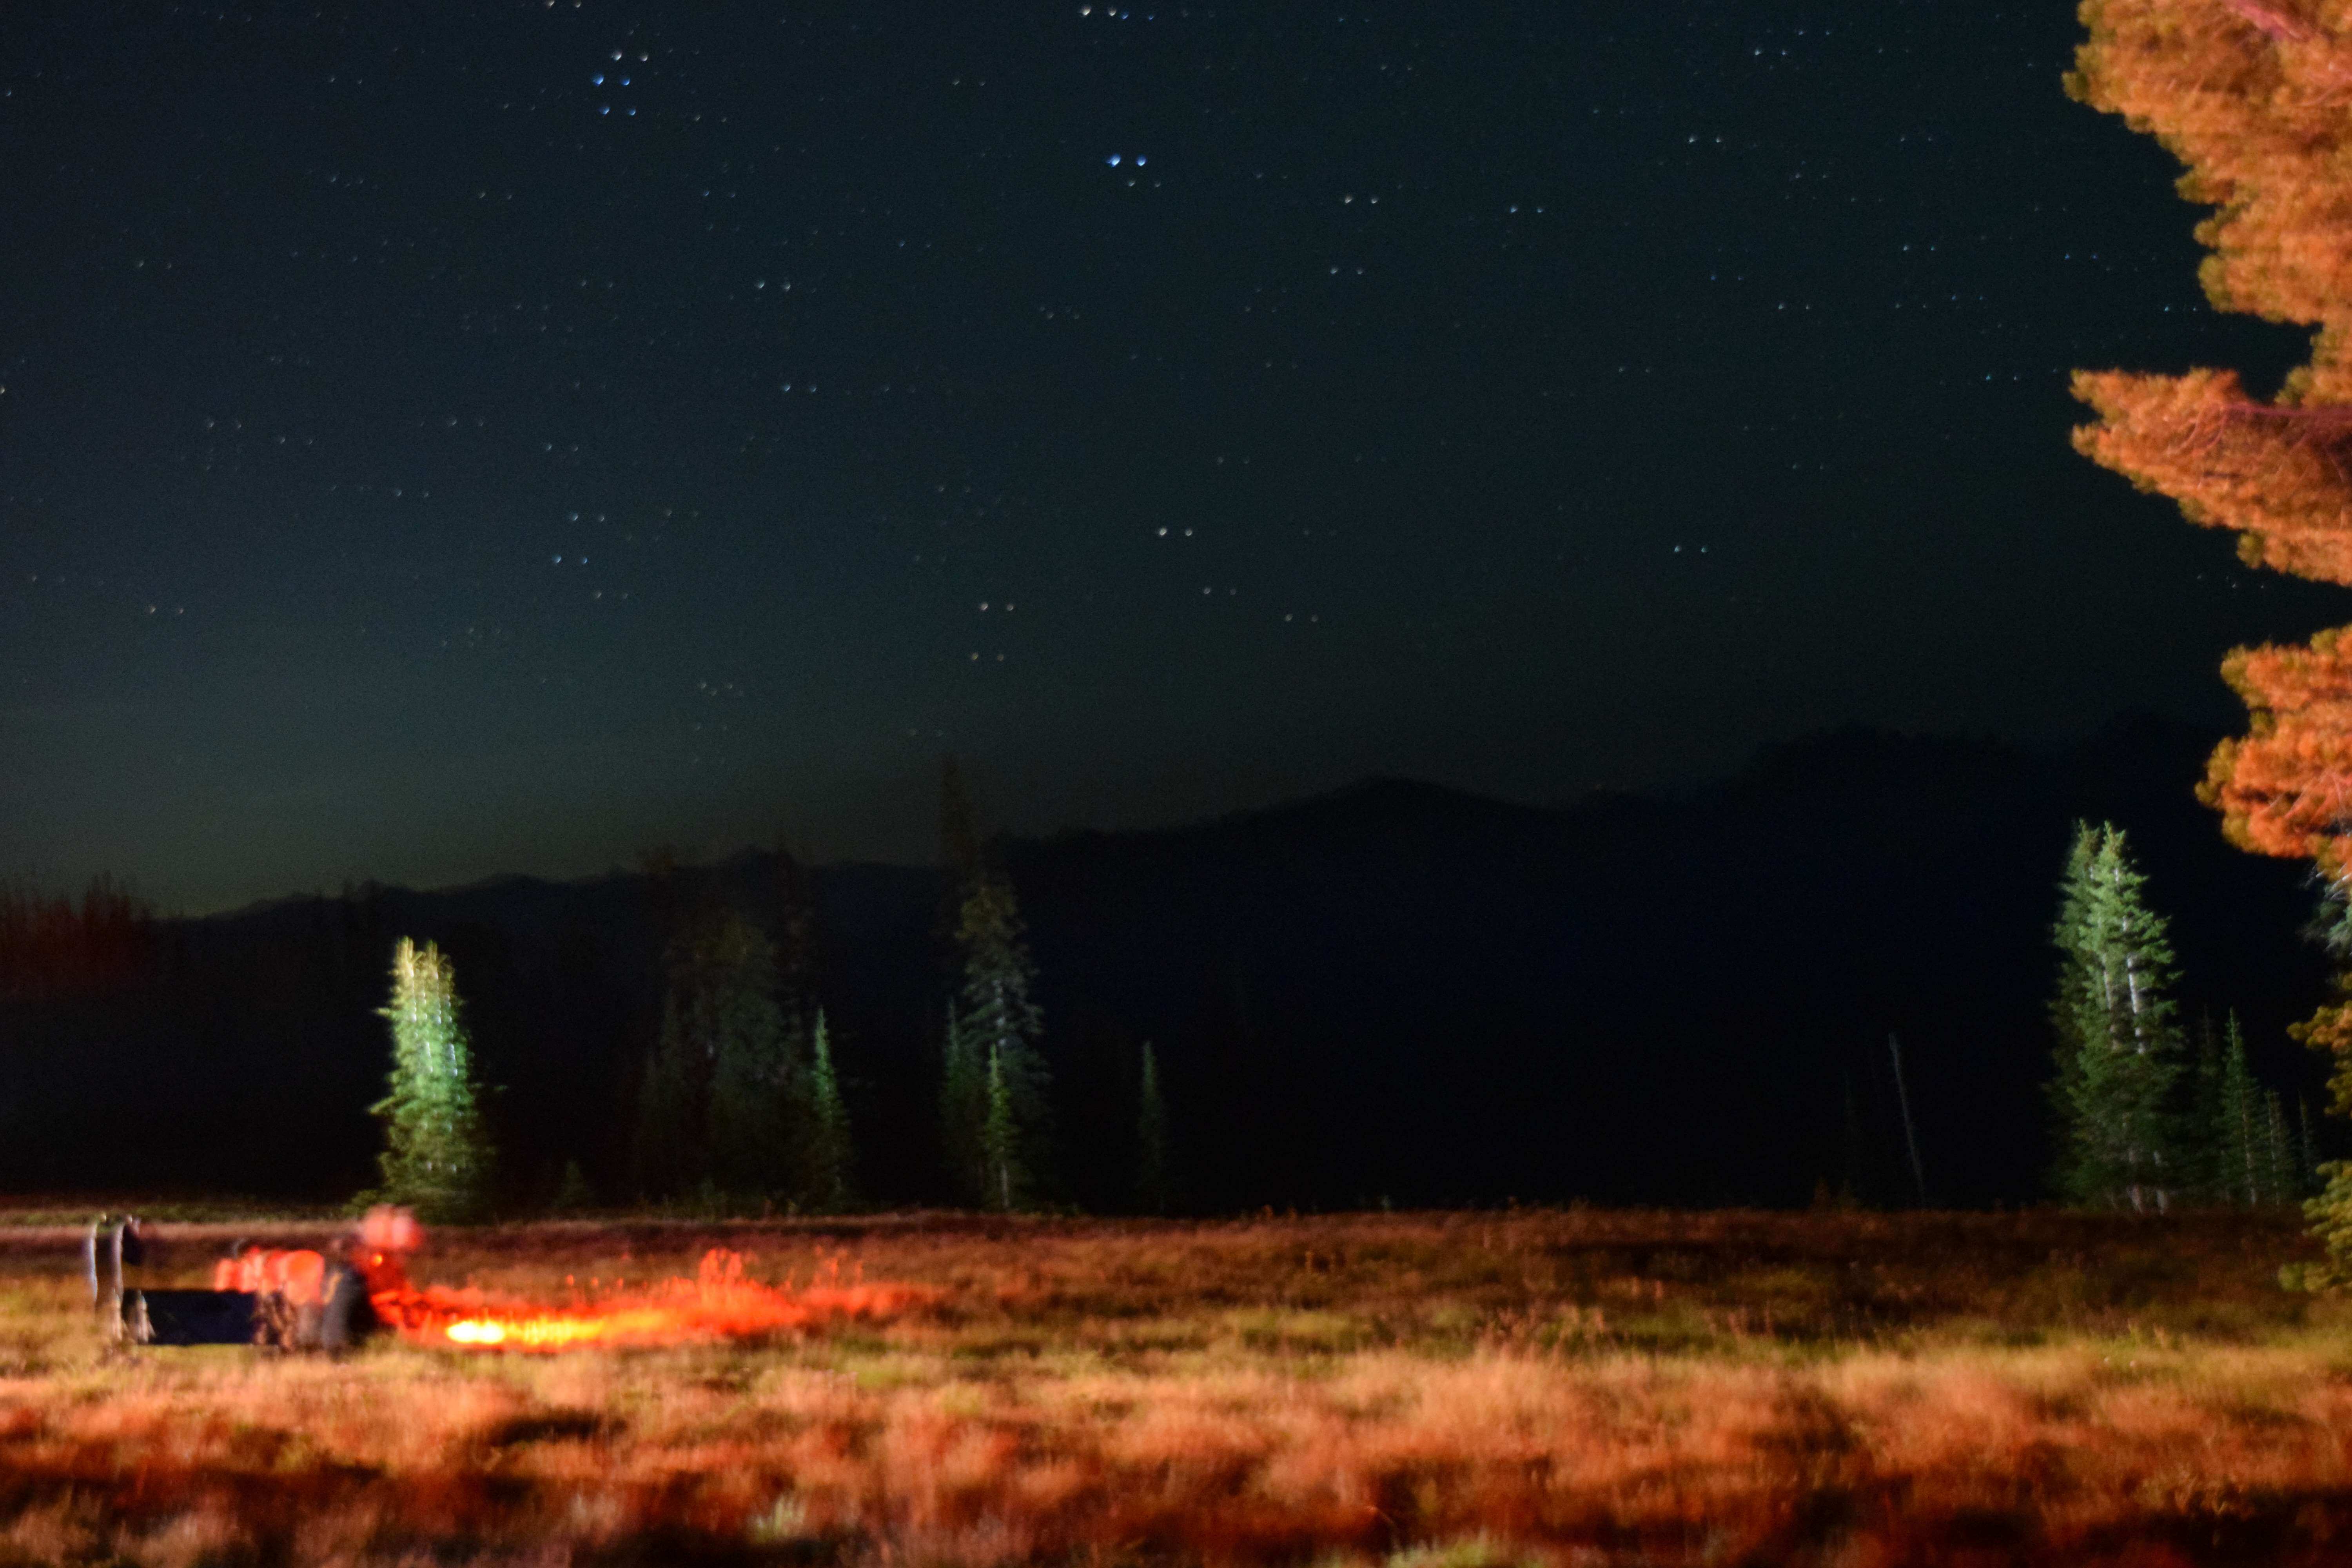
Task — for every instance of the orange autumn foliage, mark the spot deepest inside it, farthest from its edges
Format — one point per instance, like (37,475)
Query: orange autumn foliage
(2274,474)
(2255,96)
(2287,787)
(2252,97)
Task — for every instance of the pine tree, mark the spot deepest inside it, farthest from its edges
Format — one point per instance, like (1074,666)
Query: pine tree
(719,1107)
(2280,1186)
(730,980)
(963,1111)
(667,1150)
(437,1156)
(2330,1029)
(2118,1047)
(796,940)
(829,1151)
(1151,1138)
(1004,1177)
(822,1181)
(963,1061)
(1001,1023)
(2209,1162)
(2238,1131)
(992,1079)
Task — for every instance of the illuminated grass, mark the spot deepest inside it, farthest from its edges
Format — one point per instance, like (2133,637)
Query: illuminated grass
(1451,1389)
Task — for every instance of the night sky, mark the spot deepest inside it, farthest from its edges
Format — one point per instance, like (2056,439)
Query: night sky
(449,439)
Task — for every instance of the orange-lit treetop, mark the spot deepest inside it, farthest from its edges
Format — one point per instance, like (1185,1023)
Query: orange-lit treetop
(2255,97)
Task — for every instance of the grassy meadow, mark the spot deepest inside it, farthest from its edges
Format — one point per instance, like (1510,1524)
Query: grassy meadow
(1542,1386)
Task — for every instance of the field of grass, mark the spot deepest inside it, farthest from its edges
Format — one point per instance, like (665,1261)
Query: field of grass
(1563,1387)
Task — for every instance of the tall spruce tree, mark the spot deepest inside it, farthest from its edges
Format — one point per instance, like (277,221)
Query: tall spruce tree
(666,1149)
(963,1064)
(992,1078)
(756,1089)
(437,1156)
(963,1111)
(2208,1160)
(719,1107)
(2240,1130)
(2278,1152)
(2120,1048)
(827,1185)
(1001,1023)
(795,922)
(1004,1175)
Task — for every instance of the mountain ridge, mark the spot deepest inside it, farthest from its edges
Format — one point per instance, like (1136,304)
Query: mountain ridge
(1392,990)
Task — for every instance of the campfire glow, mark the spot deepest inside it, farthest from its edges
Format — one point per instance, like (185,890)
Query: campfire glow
(718,1303)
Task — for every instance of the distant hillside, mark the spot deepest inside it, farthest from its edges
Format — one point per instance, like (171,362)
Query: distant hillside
(1395,992)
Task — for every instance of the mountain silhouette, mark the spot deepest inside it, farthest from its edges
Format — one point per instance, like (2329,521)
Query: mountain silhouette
(1396,992)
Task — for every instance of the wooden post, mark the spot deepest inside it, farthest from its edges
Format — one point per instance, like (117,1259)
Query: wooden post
(114,1283)
(1910,1137)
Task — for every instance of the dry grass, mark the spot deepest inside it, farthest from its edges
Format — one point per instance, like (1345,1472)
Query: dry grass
(1449,1390)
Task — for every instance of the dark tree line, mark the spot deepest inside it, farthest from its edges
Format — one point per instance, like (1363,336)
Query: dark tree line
(673,1046)
(739,1098)
(1391,993)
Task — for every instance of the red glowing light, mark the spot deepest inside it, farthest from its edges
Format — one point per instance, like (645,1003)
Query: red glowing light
(718,1303)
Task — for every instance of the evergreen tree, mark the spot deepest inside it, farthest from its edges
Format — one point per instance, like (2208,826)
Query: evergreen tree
(1000,1023)
(719,1107)
(829,1150)
(2330,1029)
(2118,1049)
(992,1079)
(754,1086)
(436,1157)
(667,1150)
(796,940)
(1151,1138)
(963,1111)
(2278,1152)
(2240,1130)
(2207,1156)
(1004,1175)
